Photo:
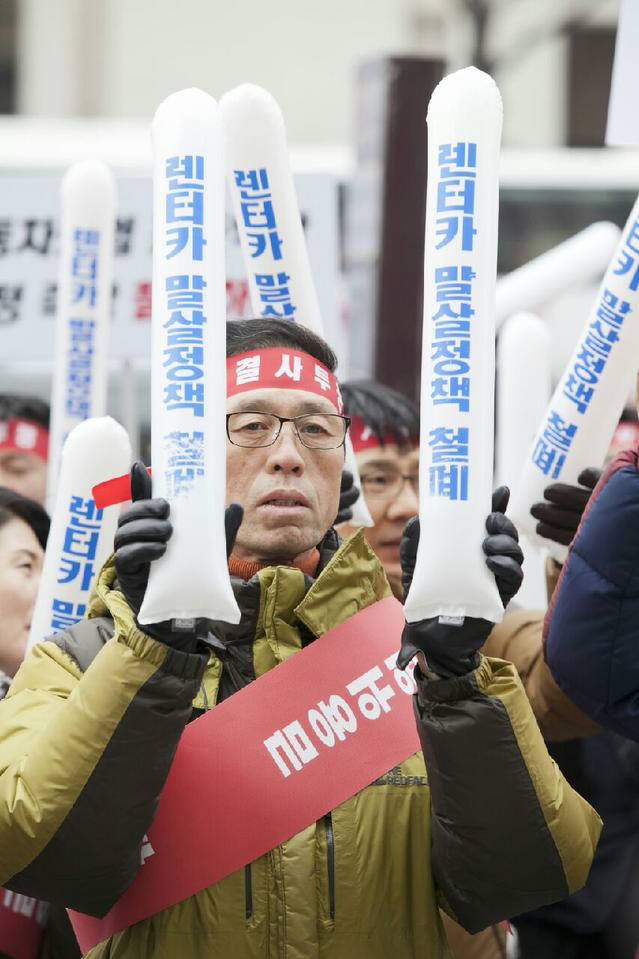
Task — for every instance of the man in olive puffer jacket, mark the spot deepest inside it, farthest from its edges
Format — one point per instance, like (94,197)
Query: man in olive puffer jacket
(480,820)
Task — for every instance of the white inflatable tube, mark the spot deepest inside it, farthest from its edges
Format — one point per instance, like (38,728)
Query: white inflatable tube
(269,223)
(458,351)
(88,200)
(523,390)
(582,258)
(81,536)
(580,420)
(188,380)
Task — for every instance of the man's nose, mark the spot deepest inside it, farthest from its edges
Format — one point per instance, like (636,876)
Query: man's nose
(405,504)
(285,454)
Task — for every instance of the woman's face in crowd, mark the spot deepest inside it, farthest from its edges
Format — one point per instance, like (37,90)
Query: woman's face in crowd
(21,559)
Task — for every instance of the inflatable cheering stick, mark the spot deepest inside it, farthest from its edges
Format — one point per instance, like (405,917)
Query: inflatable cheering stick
(270,226)
(188,379)
(578,260)
(81,535)
(88,202)
(523,390)
(458,352)
(578,425)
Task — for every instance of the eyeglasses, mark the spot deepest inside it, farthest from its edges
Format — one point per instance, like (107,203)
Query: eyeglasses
(316,431)
(388,484)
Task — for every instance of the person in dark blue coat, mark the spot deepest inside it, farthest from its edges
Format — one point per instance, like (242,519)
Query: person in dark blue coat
(593,617)
(591,632)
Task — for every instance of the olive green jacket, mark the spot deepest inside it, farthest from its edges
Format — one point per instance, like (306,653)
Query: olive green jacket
(486,827)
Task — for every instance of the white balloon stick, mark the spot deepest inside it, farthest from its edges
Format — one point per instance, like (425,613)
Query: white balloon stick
(81,536)
(269,223)
(580,420)
(88,200)
(188,380)
(458,352)
(266,209)
(523,390)
(576,261)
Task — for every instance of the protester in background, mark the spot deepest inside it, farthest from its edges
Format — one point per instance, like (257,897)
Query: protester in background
(592,630)
(24,444)
(24,527)
(385,436)
(367,879)
(601,921)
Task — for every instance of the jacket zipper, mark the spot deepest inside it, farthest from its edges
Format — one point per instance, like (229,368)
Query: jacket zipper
(248,891)
(330,862)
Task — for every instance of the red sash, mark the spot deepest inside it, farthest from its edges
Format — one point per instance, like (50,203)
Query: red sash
(270,760)
(21,925)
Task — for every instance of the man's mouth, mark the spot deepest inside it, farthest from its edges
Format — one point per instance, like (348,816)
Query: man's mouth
(286,499)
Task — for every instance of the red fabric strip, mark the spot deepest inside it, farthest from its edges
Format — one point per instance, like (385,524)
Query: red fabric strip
(363,437)
(283,369)
(224,773)
(113,491)
(24,436)
(21,928)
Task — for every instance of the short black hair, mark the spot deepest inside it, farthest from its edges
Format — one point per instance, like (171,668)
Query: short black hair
(384,410)
(260,333)
(15,406)
(15,506)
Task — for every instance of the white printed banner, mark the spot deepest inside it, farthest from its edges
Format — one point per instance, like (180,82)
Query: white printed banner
(30,247)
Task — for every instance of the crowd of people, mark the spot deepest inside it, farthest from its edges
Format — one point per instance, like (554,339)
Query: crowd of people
(486,842)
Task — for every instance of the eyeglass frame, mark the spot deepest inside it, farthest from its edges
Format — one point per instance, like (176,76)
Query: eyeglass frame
(413,479)
(289,419)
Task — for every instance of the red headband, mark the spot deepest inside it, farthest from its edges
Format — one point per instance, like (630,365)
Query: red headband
(24,436)
(364,438)
(283,369)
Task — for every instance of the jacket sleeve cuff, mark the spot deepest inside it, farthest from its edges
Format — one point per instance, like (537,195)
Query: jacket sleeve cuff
(180,664)
(434,689)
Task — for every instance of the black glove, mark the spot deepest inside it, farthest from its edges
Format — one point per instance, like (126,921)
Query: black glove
(348,495)
(561,515)
(504,557)
(452,650)
(141,537)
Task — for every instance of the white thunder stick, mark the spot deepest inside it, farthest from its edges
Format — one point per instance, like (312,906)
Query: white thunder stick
(524,386)
(577,260)
(188,380)
(81,536)
(579,422)
(451,578)
(270,226)
(88,200)
(523,389)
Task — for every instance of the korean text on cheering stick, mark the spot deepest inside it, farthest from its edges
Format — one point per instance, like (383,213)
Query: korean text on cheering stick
(81,535)
(88,201)
(188,379)
(458,352)
(580,420)
(270,226)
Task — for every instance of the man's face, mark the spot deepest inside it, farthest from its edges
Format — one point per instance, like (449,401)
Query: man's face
(390,505)
(25,473)
(290,493)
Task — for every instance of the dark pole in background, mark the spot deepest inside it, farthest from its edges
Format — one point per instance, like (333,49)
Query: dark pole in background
(394,95)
